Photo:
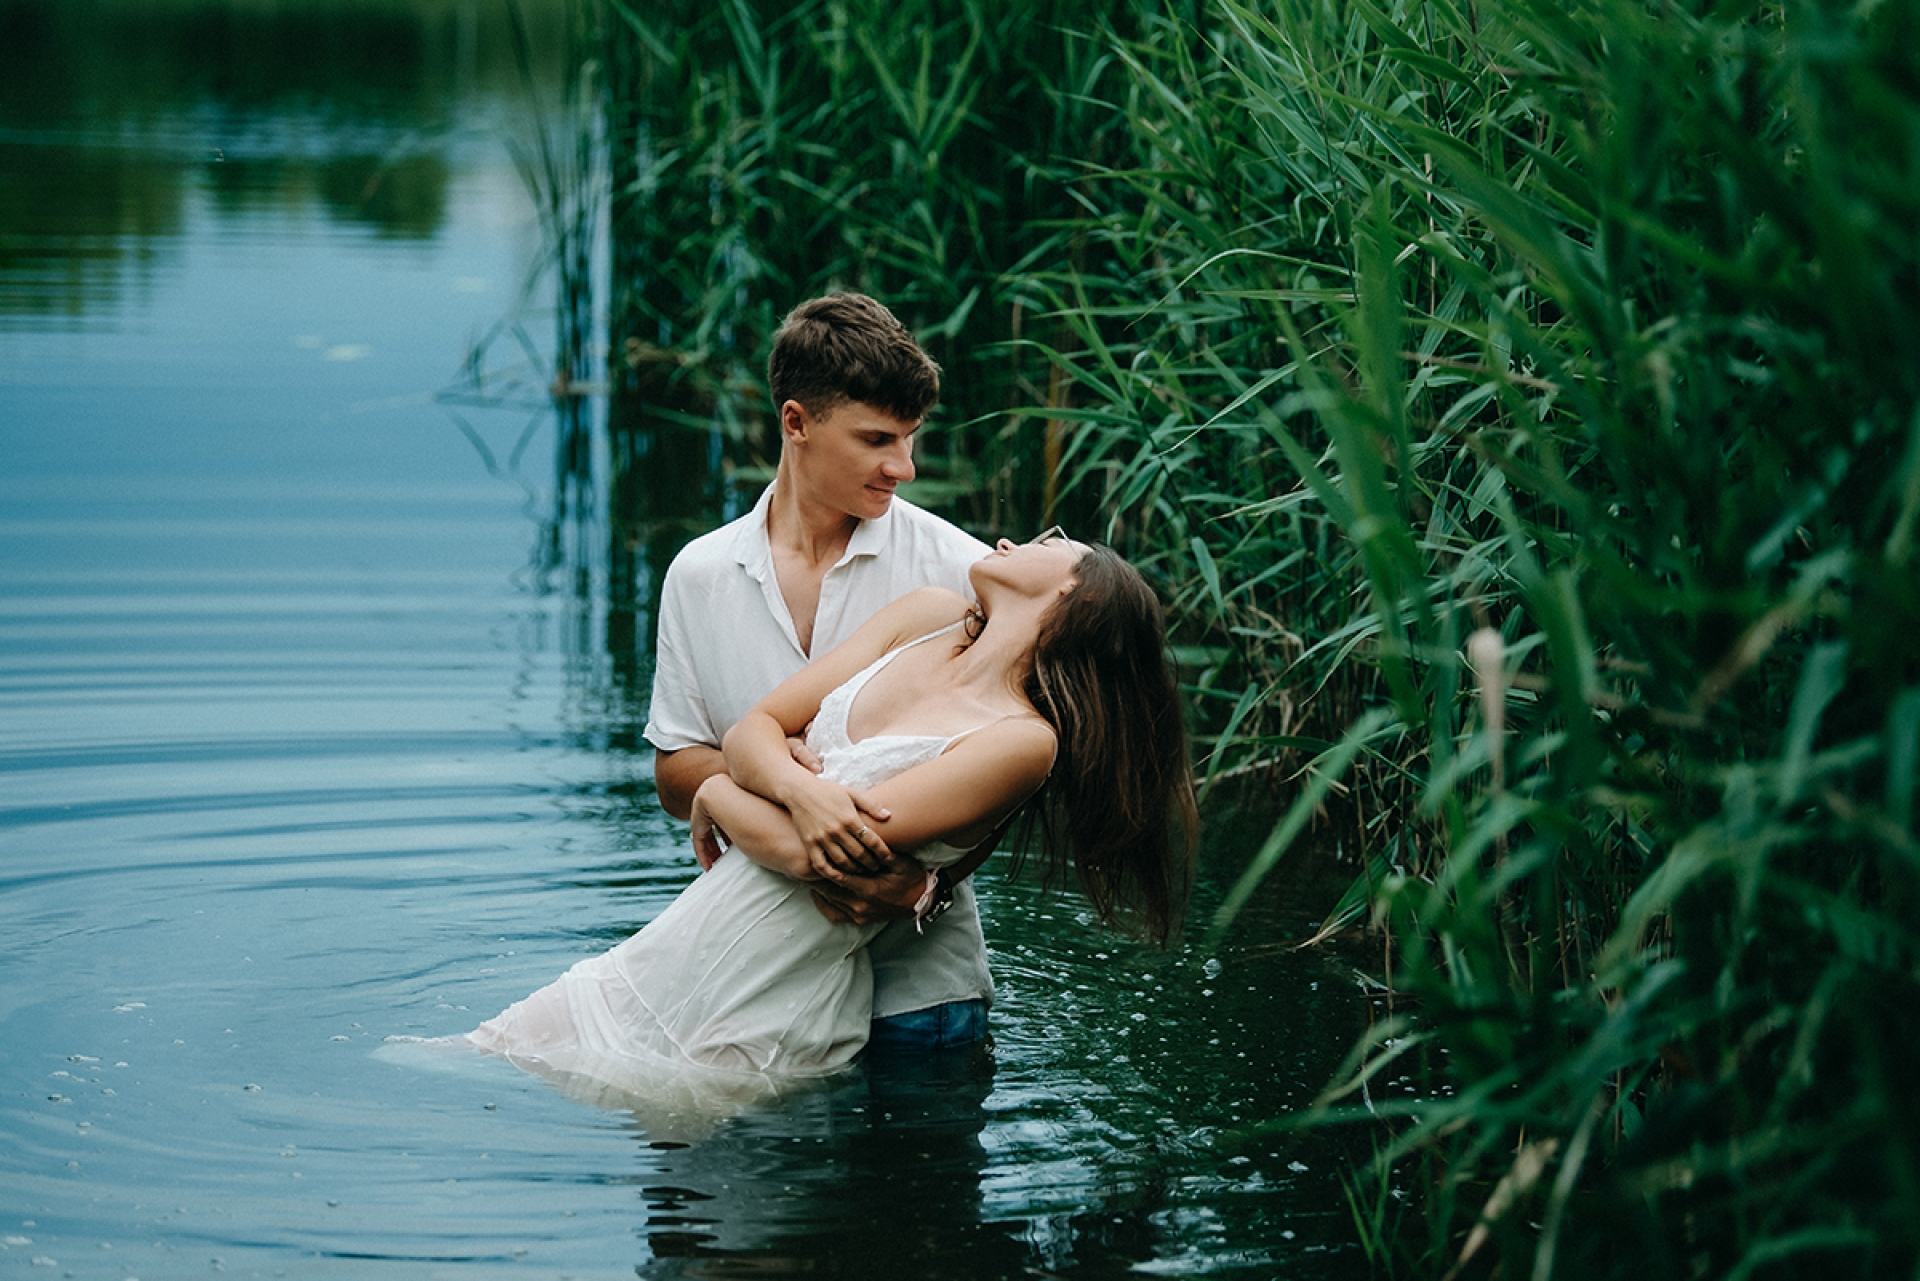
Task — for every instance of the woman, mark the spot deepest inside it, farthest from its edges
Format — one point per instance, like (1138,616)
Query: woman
(934,724)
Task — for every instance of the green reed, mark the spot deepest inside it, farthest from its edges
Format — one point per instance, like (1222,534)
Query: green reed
(1591,331)
(1517,401)
(766,153)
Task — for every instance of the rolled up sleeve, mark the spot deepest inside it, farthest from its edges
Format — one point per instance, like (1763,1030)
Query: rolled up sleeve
(677,716)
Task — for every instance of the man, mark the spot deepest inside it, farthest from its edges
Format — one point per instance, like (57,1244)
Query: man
(826,546)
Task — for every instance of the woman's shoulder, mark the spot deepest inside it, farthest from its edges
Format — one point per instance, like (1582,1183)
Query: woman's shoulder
(1031,730)
(924,610)
(1023,740)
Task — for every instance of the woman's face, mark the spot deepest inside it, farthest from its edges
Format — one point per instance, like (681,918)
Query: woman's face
(1037,569)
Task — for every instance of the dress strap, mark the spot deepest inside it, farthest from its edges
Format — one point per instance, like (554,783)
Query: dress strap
(929,636)
(842,699)
(888,656)
(975,730)
(866,673)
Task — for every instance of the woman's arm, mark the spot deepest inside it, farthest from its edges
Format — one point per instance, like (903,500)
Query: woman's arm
(960,797)
(724,813)
(825,814)
(894,892)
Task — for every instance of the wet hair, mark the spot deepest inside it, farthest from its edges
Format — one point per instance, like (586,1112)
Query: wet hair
(1121,781)
(848,347)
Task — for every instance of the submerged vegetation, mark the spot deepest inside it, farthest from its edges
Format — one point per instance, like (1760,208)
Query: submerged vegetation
(1519,402)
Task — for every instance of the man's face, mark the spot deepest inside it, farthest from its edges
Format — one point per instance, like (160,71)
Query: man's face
(852,457)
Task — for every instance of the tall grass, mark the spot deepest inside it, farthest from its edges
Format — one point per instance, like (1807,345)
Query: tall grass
(767,153)
(1518,401)
(1591,329)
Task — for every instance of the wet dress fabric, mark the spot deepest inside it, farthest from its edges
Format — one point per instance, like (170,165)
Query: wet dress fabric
(740,977)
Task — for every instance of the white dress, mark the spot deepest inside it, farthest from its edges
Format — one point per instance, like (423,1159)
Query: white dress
(739,984)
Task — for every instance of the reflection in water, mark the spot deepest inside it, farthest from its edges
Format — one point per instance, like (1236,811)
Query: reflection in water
(878,1175)
(1107,1132)
(116,115)
(665,486)
(78,225)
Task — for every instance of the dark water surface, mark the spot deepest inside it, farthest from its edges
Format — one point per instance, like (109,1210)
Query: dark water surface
(310,737)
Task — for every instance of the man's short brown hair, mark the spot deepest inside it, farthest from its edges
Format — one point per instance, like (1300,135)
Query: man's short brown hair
(848,347)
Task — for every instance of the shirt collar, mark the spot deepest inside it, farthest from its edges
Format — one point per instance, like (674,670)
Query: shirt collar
(753,547)
(870,536)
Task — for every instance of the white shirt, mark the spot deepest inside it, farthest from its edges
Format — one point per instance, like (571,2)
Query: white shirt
(727,639)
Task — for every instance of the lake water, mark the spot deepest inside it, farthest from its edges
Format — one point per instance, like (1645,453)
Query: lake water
(319,726)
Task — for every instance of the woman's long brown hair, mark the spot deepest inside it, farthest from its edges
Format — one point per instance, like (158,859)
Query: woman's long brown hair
(1121,780)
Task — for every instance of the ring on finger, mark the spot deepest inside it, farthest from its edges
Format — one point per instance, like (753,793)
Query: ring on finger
(861,833)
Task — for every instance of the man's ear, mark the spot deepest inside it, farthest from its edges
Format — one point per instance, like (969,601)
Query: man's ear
(794,422)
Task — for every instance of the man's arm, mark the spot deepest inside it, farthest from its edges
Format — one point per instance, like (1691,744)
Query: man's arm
(727,815)
(891,893)
(678,775)
(763,832)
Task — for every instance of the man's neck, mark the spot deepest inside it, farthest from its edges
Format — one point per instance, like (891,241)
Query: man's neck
(814,534)
(809,531)
(807,540)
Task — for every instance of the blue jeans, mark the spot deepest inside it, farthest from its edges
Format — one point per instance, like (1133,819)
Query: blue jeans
(939,1027)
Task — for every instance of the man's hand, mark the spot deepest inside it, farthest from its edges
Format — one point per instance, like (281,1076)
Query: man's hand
(893,892)
(804,754)
(709,842)
(863,899)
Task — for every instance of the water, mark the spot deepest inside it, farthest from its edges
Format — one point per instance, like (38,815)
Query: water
(318,727)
